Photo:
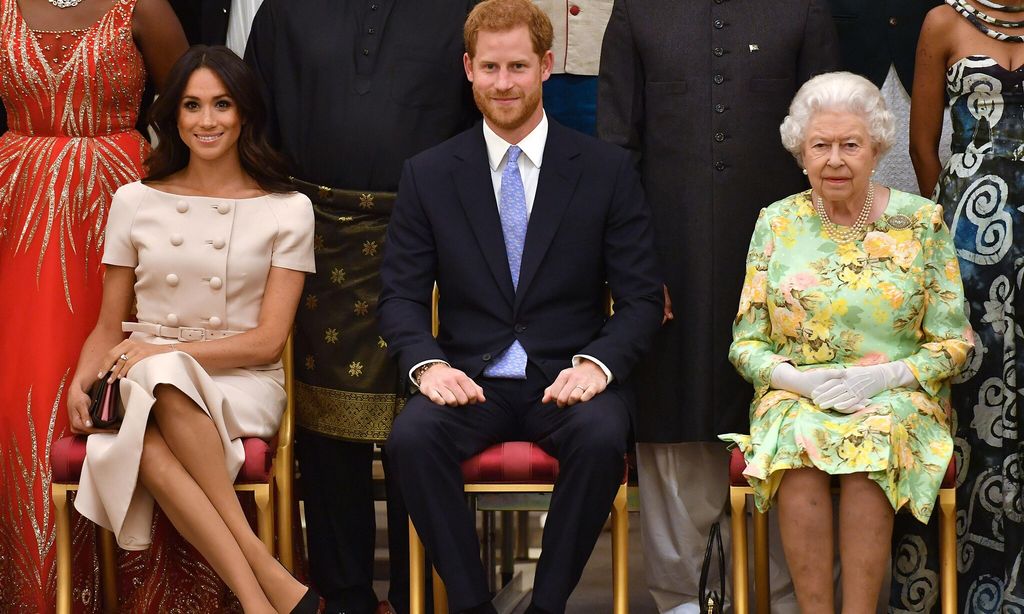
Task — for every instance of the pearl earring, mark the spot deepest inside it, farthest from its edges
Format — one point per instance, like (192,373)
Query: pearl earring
(872,171)
(805,171)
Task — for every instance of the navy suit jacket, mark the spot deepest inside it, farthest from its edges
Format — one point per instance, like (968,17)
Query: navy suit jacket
(589,226)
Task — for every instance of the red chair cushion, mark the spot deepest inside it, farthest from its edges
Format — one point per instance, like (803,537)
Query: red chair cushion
(519,462)
(259,456)
(737,464)
(67,455)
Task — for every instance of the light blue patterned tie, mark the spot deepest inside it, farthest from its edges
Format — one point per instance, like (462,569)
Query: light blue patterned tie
(512,362)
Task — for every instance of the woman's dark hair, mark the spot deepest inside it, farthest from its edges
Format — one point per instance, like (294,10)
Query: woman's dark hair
(259,159)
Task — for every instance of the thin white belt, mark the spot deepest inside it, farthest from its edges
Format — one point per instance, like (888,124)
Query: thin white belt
(181,333)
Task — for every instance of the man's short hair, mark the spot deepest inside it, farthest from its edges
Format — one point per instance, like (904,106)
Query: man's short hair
(505,15)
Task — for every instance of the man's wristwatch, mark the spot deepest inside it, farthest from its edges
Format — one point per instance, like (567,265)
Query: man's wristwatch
(418,373)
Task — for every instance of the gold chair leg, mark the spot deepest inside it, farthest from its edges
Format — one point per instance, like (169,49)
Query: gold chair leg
(947,549)
(283,480)
(264,516)
(108,567)
(762,586)
(417,582)
(738,507)
(59,494)
(440,594)
(620,553)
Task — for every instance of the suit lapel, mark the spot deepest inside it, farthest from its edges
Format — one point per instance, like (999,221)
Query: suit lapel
(559,175)
(476,194)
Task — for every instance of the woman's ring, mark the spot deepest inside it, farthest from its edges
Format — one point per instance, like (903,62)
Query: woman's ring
(123,357)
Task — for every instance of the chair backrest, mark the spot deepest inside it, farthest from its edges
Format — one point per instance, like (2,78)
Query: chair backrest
(286,431)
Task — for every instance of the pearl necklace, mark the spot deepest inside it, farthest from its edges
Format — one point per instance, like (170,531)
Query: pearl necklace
(63,4)
(845,234)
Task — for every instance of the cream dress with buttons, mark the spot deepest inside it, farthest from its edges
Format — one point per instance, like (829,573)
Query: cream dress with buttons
(199,262)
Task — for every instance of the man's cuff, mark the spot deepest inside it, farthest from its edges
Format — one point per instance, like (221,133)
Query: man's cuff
(578,357)
(412,382)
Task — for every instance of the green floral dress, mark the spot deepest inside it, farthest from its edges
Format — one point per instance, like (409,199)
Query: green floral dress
(895,295)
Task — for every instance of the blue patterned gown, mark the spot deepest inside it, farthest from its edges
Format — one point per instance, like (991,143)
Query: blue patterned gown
(981,190)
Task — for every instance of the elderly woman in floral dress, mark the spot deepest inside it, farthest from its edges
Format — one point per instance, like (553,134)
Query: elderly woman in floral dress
(850,326)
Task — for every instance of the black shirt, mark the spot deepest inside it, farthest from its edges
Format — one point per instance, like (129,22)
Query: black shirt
(357,86)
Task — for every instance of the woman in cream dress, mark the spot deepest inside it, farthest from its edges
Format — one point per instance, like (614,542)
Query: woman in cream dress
(212,251)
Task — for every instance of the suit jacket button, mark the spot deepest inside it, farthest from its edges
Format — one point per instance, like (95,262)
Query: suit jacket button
(486,357)
(520,328)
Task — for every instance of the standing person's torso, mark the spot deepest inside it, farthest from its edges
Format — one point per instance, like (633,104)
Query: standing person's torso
(878,34)
(84,82)
(358,86)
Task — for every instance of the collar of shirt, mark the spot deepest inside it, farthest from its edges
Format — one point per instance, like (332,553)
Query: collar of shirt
(532,145)
(529,162)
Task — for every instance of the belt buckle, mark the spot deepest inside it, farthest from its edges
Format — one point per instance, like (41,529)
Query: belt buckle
(188,333)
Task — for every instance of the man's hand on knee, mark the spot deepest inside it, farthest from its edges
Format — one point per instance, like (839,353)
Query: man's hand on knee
(446,385)
(576,384)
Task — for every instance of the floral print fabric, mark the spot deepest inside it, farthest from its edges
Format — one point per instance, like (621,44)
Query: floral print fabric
(895,295)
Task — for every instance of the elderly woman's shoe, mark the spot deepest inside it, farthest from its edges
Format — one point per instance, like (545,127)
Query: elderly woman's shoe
(309,604)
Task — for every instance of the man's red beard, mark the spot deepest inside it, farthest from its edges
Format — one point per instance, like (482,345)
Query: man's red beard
(507,118)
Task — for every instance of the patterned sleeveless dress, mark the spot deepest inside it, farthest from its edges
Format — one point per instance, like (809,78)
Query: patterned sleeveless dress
(981,190)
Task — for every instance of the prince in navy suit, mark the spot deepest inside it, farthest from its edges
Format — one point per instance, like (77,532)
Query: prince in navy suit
(523,224)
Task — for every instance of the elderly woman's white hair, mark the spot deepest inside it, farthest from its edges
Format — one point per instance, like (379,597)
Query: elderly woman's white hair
(837,92)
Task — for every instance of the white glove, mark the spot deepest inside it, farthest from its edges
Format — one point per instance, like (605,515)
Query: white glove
(852,391)
(787,377)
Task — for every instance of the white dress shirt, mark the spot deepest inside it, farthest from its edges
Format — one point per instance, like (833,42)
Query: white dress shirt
(532,146)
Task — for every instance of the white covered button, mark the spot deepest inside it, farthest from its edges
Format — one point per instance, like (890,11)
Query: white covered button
(172,279)
(177,239)
(223,208)
(214,322)
(181,206)
(172,319)
(219,243)
(216,283)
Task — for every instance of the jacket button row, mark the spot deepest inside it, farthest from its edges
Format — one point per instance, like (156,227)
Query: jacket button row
(181,206)
(216,283)
(177,239)
(223,208)
(171,279)
(218,243)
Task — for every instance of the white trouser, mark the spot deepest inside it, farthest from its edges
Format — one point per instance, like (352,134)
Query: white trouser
(684,489)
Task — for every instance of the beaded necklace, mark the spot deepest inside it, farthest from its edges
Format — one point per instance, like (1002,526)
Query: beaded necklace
(977,18)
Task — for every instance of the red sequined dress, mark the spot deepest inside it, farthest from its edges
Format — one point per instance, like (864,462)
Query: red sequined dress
(72,99)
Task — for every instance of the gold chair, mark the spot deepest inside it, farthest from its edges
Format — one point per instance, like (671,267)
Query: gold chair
(738,491)
(620,543)
(261,475)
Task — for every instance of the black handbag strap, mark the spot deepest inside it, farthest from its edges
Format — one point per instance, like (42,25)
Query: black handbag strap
(714,543)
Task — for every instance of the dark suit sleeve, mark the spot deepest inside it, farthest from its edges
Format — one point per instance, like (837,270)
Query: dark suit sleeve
(820,50)
(407,275)
(634,279)
(620,84)
(259,55)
